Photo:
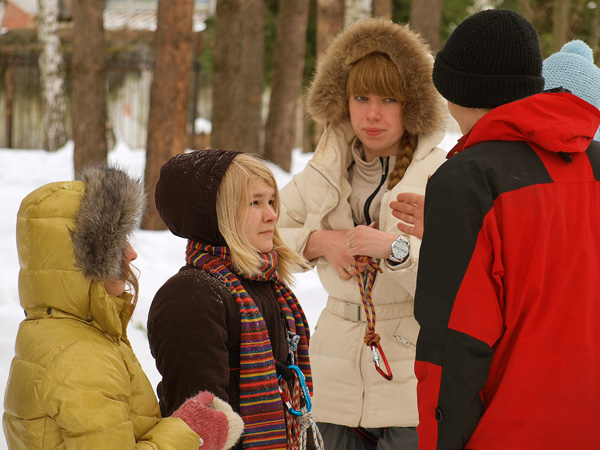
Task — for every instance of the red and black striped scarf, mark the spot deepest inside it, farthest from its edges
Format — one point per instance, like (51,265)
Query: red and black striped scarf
(260,400)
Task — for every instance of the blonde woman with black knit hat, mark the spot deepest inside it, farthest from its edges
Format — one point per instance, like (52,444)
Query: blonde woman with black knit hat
(75,382)
(383,122)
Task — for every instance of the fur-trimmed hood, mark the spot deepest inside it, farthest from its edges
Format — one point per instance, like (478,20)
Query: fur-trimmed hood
(423,110)
(71,237)
(111,209)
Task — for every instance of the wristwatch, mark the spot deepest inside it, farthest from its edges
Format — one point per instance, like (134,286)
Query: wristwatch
(400,250)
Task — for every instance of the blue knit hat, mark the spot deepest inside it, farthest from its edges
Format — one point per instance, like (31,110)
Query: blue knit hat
(573,68)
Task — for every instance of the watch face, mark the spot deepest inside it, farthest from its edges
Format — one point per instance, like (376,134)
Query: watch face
(400,249)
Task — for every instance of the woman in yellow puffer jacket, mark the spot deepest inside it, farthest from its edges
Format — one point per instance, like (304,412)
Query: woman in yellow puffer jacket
(75,382)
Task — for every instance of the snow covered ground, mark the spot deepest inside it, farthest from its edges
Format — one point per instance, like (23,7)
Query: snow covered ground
(160,254)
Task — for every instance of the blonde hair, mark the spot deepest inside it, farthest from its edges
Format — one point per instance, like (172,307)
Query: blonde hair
(232,209)
(131,281)
(376,74)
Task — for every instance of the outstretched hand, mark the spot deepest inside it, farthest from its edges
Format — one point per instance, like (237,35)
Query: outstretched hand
(409,208)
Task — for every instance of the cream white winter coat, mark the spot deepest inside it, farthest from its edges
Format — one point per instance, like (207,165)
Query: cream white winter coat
(347,388)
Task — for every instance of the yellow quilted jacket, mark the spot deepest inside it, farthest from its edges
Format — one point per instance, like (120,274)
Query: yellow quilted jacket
(75,382)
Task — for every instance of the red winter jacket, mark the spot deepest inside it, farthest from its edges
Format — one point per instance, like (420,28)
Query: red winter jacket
(508,288)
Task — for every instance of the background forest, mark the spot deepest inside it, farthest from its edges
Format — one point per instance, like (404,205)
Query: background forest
(237,67)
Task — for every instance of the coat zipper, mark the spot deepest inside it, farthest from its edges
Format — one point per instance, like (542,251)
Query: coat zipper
(385,167)
(402,340)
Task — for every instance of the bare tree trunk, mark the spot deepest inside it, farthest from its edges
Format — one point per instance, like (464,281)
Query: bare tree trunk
(526,10)
(252,76)
(425,18)
(52,77)
(196,81)
(88,92)
(330,20)
(560,24)
(9,88)
(288,65)
(595,38)
(382,8)
(226,74)
(169,94)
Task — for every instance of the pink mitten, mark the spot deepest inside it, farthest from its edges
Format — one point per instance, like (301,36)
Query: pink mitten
(218,426)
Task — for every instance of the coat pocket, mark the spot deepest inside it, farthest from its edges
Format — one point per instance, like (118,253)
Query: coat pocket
(406,333)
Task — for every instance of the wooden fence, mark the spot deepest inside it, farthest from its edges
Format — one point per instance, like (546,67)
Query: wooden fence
(128,103)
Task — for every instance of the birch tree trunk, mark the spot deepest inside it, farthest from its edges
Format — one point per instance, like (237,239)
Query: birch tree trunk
(169,95)
(51,75)
(356,9)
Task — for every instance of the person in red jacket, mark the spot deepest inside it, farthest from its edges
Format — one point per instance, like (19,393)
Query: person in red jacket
(508,355)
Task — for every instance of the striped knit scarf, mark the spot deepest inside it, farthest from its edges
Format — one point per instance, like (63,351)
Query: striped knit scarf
(260,400)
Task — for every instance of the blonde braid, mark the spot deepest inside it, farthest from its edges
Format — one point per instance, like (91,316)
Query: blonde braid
(407,146)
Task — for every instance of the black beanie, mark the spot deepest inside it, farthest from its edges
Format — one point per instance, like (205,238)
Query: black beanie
(492,58)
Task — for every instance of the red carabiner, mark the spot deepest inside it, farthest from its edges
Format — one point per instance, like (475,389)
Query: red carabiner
(388,376)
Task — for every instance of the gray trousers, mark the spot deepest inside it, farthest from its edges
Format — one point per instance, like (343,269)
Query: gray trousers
(339,437)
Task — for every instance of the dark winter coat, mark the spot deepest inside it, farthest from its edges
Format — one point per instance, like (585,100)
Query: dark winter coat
(194,332)
(194,321)
(509,280)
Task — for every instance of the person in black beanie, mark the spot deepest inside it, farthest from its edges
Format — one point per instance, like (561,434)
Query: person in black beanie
(508,285)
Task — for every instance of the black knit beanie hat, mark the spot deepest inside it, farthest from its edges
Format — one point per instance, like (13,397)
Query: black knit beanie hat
(492,58)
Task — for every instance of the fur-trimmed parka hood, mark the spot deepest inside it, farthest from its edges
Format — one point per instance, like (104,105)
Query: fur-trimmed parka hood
(71,237)
(423,110)
(111,209)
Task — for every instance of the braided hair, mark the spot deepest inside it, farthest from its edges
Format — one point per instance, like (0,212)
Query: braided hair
(408,143)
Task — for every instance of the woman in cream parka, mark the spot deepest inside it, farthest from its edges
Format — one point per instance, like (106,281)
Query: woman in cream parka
(383,122)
